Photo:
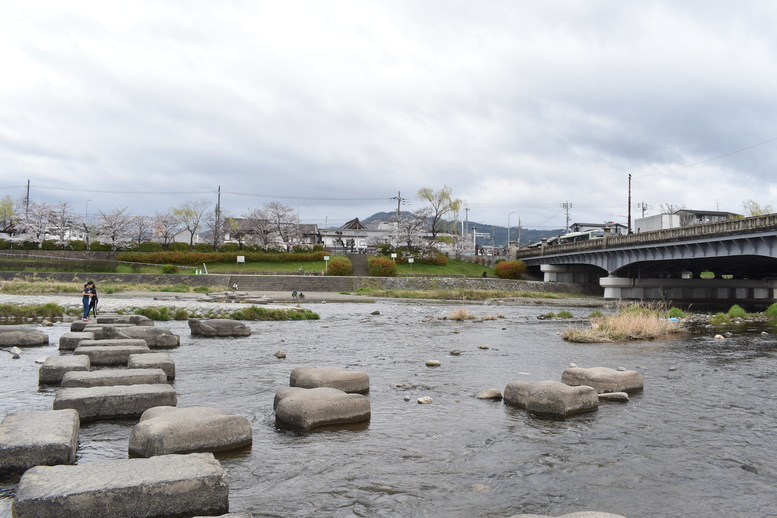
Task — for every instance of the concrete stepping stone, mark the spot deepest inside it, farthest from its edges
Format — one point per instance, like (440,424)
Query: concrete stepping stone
(101,331)
(163,430)
(30,439)
(332,377)
(155,337)
(583,514)
(110,354)
(116,401)
(551,398)
(167,485)
(110,377)
(54,368)
(306,409)
(153,361)
(135,320)
(22,336)
(604,379)
(69,341)
(218,327)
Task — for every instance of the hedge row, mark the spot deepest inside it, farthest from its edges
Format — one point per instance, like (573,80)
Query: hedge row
(194,258)
(96,265)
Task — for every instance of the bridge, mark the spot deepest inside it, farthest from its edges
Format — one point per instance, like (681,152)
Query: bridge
(738,260)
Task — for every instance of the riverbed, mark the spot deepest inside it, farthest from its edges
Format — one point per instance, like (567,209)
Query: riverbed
(700,440)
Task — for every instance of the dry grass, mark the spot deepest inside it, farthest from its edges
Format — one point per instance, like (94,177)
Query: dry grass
(461,314)
(632,322)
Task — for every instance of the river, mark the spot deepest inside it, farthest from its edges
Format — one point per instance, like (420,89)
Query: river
(700,440)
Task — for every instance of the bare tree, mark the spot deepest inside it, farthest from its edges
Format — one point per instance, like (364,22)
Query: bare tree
(62,221)
(410,227)
(284,222)
(140,228)
(115,226)
(442,204)
(165,226)
(256,224)
(190,214)
(217,224)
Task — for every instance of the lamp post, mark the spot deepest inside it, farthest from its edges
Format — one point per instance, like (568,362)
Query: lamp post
(508,227)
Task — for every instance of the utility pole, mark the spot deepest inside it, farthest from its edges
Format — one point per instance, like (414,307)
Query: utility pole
(644,206)
(400,200)
(27,200)
(217,226)
(628,230)
(566,206)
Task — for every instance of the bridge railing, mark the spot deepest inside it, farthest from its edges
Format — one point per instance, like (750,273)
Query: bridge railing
(720,228)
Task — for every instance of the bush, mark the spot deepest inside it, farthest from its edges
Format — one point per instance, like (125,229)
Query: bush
(100,246)
(5,244)
(381,267)
(676,313)
(771,311)
(203,247)
(161,313)
(510,269)
(736,311)
(148,246)
(178,247)
(230,247)
(339,265)
(169,268)
(78,245)
(48,244)
(433,257)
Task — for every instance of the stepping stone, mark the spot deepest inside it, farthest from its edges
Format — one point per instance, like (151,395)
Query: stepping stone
(163,430)
(69,341)
(218,327)
(167,485)
(110,354)
(30,439)
(110,377)
(155,337)
(306,409)
(551,398)
(153,361)
(101,331)
(53,369)
(332,377)
(135,320)
(583,514)
(604,379)
(22,336)
(115,401)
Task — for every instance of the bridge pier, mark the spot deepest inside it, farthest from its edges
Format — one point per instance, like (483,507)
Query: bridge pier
(691,290)
(579,273)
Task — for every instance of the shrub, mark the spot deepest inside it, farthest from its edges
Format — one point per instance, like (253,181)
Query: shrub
(149,246)
(169,268)
(100,246)
(29,245)
(736,311)
(564,314)
(5,244)
(771,311)
(433,257)
(339,265)
(381,267)
(676,313)
(78,245)
(178,247)
(510,269)
(161,313)
(230,247)
(385,249)
(203,247)
(48,244)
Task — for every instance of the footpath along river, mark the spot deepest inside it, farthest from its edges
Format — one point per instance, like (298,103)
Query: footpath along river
(699,441)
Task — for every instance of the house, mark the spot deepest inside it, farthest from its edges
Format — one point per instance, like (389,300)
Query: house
(681,218)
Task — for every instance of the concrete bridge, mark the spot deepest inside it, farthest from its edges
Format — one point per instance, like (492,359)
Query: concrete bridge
(738,259)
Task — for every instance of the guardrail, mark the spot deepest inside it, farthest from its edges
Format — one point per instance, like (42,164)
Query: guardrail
(721,228)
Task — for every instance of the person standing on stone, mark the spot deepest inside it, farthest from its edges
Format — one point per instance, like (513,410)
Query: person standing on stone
(88,292)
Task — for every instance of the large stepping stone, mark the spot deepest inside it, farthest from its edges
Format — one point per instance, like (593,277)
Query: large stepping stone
(218,327)
(604,379)
(333,377)
(153,361)
(69,341)
(306,409)
(110,377)
(22,336)
(167,485)
(583,514)
(551,398)
(135,320)
(164,430)
(38,438)
(54,368)
(110,354)
(115,401)
(101,331)
(155,337)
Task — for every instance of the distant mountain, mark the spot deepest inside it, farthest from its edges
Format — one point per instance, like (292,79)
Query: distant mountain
(498,235)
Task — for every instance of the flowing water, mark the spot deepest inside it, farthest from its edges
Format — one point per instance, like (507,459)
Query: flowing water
(700,440)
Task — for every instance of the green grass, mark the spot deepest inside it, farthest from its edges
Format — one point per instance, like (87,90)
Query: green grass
(459,294)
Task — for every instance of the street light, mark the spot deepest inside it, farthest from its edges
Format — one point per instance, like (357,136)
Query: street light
(508,227)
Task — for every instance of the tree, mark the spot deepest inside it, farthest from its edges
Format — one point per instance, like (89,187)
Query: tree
(34,222)
(62,221)
(256,224)
(217,224)
(140,229)
(284,222)
(6,214)
(753,208)
(165,226)
(410,226)
(190,215)
(115,226)
(441,205)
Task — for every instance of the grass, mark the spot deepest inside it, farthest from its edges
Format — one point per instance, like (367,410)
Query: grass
(460,294)
(632,322)
(164,313)
(49,310)
(33,286)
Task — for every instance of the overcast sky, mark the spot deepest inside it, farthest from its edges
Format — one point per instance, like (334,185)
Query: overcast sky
(333,107)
